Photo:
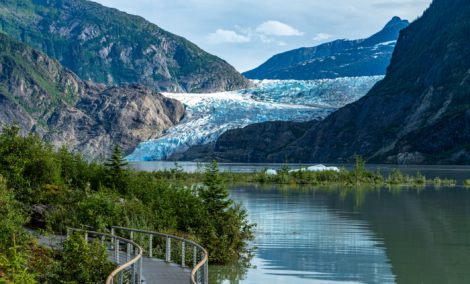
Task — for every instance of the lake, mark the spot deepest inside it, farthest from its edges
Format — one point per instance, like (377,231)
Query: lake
(354,235)
(331,234)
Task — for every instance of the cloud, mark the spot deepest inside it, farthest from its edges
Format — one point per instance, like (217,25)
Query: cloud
(265,39)
(322,36)
(281,43)
(221,36)
(277,29)
(398,4)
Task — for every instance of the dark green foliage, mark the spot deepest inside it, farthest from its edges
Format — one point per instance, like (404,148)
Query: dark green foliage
(13,217)
(26,161)
(229,227)
(214,193)
(359,167)
(116,168)
(148,201)
(76,262)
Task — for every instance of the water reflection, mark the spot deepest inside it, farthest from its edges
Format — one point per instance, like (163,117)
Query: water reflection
(354,235)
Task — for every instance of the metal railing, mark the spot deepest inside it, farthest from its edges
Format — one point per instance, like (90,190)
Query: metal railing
(199,273)
(132,267)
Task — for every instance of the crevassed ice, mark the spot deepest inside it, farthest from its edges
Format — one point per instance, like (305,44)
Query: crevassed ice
(208,116)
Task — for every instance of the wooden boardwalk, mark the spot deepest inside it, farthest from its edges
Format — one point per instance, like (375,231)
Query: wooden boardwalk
(154,270)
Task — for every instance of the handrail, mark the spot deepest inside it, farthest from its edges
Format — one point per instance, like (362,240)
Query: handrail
(194,272)
(138,257)
(199,265)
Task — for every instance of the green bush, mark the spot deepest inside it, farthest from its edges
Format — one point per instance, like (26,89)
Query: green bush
(103,192)
(76,261)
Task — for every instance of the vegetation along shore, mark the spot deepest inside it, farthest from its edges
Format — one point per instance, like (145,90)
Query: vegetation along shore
(105,192)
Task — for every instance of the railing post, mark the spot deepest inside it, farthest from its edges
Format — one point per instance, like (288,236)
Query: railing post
(168,249)
(139,280)
(182,254)
(112,235)
(86,236)
(206,271)
(136,271)
(195,263)
(116,251)
(120,280)
(194,256)
(68,234)
(150,246)
(133,273)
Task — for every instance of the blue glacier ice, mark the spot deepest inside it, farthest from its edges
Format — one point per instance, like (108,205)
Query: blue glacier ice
(208,116)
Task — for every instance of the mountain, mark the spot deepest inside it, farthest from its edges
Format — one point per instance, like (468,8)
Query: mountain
(49,99)
(418,114)
(104,45)
(293,57)
(369,57)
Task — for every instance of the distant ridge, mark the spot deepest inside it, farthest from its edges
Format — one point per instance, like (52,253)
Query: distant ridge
(293,57)
(341,58)
(107,46)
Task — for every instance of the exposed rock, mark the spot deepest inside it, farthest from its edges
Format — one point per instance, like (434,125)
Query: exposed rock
(253,144)
(49,99)
(406,158)
(40,212)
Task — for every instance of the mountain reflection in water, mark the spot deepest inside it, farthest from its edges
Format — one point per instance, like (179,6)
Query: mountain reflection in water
(354,235)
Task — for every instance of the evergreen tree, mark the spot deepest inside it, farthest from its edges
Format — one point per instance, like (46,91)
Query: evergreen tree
(214,194)
(358,167)
(116,165)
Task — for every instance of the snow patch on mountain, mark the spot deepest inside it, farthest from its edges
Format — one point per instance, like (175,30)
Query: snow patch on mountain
(208,116)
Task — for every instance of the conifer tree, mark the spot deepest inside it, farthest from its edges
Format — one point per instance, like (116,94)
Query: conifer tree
(214,193)
(116,164)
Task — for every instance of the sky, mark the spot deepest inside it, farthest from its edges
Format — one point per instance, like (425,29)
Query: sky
(246,33)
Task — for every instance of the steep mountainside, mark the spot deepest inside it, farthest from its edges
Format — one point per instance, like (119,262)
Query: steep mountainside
(104,45)
(420,112)
(293,57)
(47,98)
(369,57)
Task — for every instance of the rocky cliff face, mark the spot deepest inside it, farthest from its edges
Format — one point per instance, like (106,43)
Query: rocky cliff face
(420,112)
(368,57)
(252,144)
(44,97)
(104,45)
(293,57)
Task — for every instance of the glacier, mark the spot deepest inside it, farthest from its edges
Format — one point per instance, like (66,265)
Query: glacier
(208,116)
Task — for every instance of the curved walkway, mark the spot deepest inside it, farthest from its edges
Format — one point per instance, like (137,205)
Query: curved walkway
(158,271)
(154,270)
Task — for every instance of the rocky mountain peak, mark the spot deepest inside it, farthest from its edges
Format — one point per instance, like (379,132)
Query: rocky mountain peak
(396,20)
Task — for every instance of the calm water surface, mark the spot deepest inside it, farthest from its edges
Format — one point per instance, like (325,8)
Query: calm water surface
(352,235)
(355,235)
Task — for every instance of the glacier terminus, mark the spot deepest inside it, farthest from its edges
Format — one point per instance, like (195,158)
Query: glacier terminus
(208,116)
